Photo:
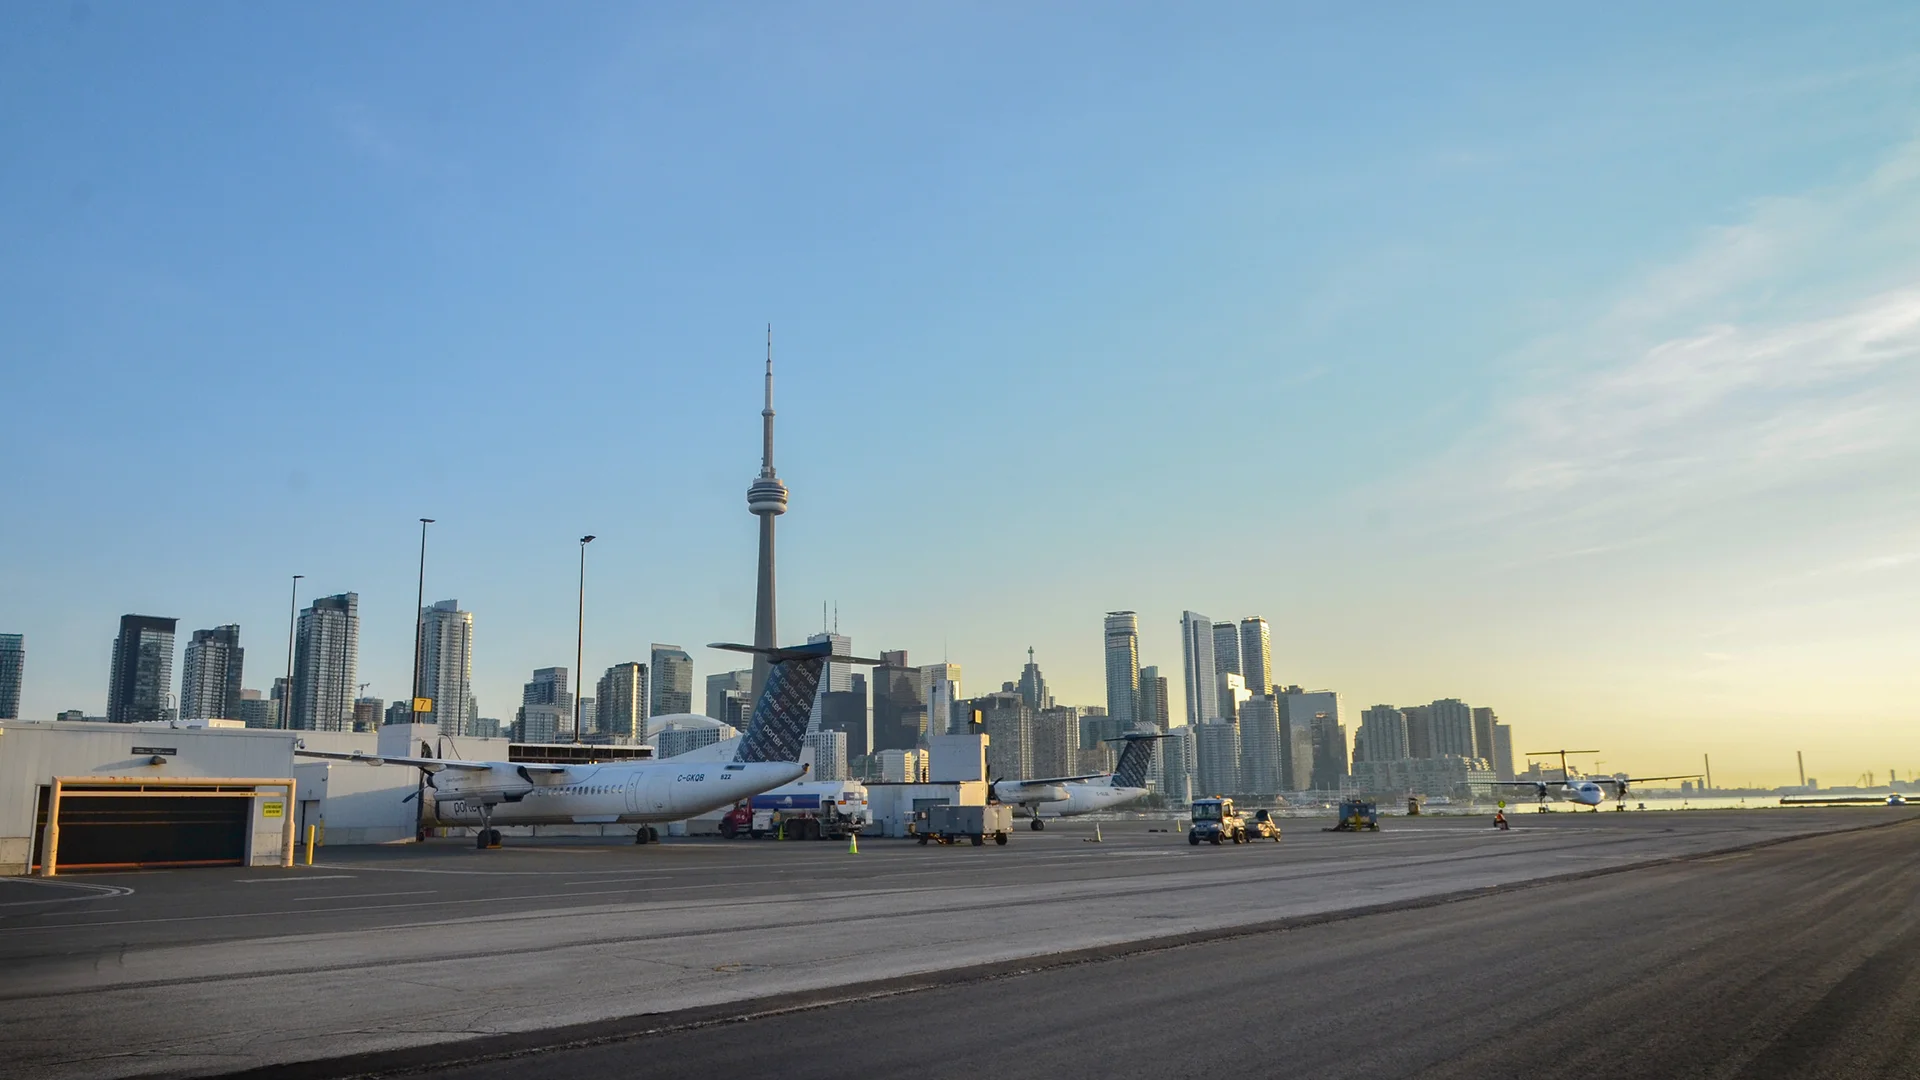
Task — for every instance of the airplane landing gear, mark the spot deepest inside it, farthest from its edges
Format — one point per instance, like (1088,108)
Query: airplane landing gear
(646,834)
(1038,825)
(488,837)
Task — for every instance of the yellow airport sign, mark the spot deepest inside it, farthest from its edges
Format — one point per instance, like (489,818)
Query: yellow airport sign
(423,704)
(273,809)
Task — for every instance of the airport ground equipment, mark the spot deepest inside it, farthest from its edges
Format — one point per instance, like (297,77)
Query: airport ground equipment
(1359,815)
(834,813)
(1216,821)
(1263,827)
(975,824)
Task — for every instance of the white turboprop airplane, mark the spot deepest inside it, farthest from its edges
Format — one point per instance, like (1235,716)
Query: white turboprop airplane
(1064,796)
(644,793)
(1587,791)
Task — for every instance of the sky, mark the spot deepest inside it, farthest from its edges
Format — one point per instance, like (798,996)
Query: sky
(1562,361)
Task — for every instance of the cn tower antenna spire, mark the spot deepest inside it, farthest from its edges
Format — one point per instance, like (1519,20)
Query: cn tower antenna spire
(766,500)
(766,414)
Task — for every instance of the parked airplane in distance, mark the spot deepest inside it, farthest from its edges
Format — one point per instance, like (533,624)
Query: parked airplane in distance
(1893,798)
(1587,791)
(1064,796)
(642,793)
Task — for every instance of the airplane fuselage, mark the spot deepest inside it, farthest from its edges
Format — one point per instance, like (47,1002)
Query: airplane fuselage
(1065,799)
(627,792)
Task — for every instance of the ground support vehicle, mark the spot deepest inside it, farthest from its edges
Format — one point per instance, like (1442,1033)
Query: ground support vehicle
(788,814)
(975,824)
(1263,827)
(1216,821)
(1357,815)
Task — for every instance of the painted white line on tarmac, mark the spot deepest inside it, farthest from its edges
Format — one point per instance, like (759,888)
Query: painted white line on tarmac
(362,895)
(289,877)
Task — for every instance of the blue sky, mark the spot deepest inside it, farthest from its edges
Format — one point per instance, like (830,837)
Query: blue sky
(1560,361)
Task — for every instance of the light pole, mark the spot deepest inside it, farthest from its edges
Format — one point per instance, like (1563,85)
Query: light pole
(420,599)
(286,691)
(580,640)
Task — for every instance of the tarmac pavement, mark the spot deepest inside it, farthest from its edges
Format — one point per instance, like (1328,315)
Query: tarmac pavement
(438,952)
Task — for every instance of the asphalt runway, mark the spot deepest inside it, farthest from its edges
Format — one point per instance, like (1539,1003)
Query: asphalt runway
(419,954)
(1799,960)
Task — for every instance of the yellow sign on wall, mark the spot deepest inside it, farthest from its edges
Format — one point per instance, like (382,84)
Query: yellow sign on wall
(273,809)
(423,704)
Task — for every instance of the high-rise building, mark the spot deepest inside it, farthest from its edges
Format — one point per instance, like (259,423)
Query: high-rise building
(1419,731)
(940,689)
(584,711)
(280,702)
(1226,650)
(13,665)
(729,696)
(829,753)
(621,703)
(836,677)
(1123,667)
(672,672)
(367,713)
(400,712)
(326,664)
(546,707)
(1056,741)
(1256,654)
(142,670)
(256,711)
(210,675)
(1008,723)
(1229,694)
(1329,751)
(446,666)
(845,711)
(1382,736)
(766,500)
(1262,762)
(1153,700)
(549,686)
(1502,751)
(1196,644)
(899,712)
(1483,721)
(1177,775)
(1298,711)
(1216,769)
(1452,725)
(1033,686)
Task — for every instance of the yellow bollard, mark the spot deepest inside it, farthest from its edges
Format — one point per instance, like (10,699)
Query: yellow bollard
(309,845)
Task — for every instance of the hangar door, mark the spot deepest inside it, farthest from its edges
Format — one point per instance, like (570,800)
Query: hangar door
(120,829)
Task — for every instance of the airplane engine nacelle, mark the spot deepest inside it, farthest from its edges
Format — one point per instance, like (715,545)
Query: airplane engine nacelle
(1045,793)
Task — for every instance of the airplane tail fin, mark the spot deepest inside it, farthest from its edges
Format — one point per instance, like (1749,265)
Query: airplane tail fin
(779,720)
(1135,759)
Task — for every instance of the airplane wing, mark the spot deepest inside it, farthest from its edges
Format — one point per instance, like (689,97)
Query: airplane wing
(1640,779)
(429,764)
(1055,779)
(1522,783)
(1833,800)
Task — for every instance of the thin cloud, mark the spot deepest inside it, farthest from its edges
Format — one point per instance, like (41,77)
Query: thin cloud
(1716,378)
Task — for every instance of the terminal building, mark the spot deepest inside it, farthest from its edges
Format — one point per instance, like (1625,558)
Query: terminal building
(105,796)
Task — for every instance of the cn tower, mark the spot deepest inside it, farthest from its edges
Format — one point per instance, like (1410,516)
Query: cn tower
(766,499)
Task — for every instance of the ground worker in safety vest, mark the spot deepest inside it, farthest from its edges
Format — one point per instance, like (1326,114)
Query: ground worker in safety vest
(1500,819)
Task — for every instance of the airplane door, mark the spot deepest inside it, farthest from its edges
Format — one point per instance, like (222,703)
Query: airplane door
(648,790)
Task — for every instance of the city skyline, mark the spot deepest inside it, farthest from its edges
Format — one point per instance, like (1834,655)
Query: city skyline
(1613,387)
